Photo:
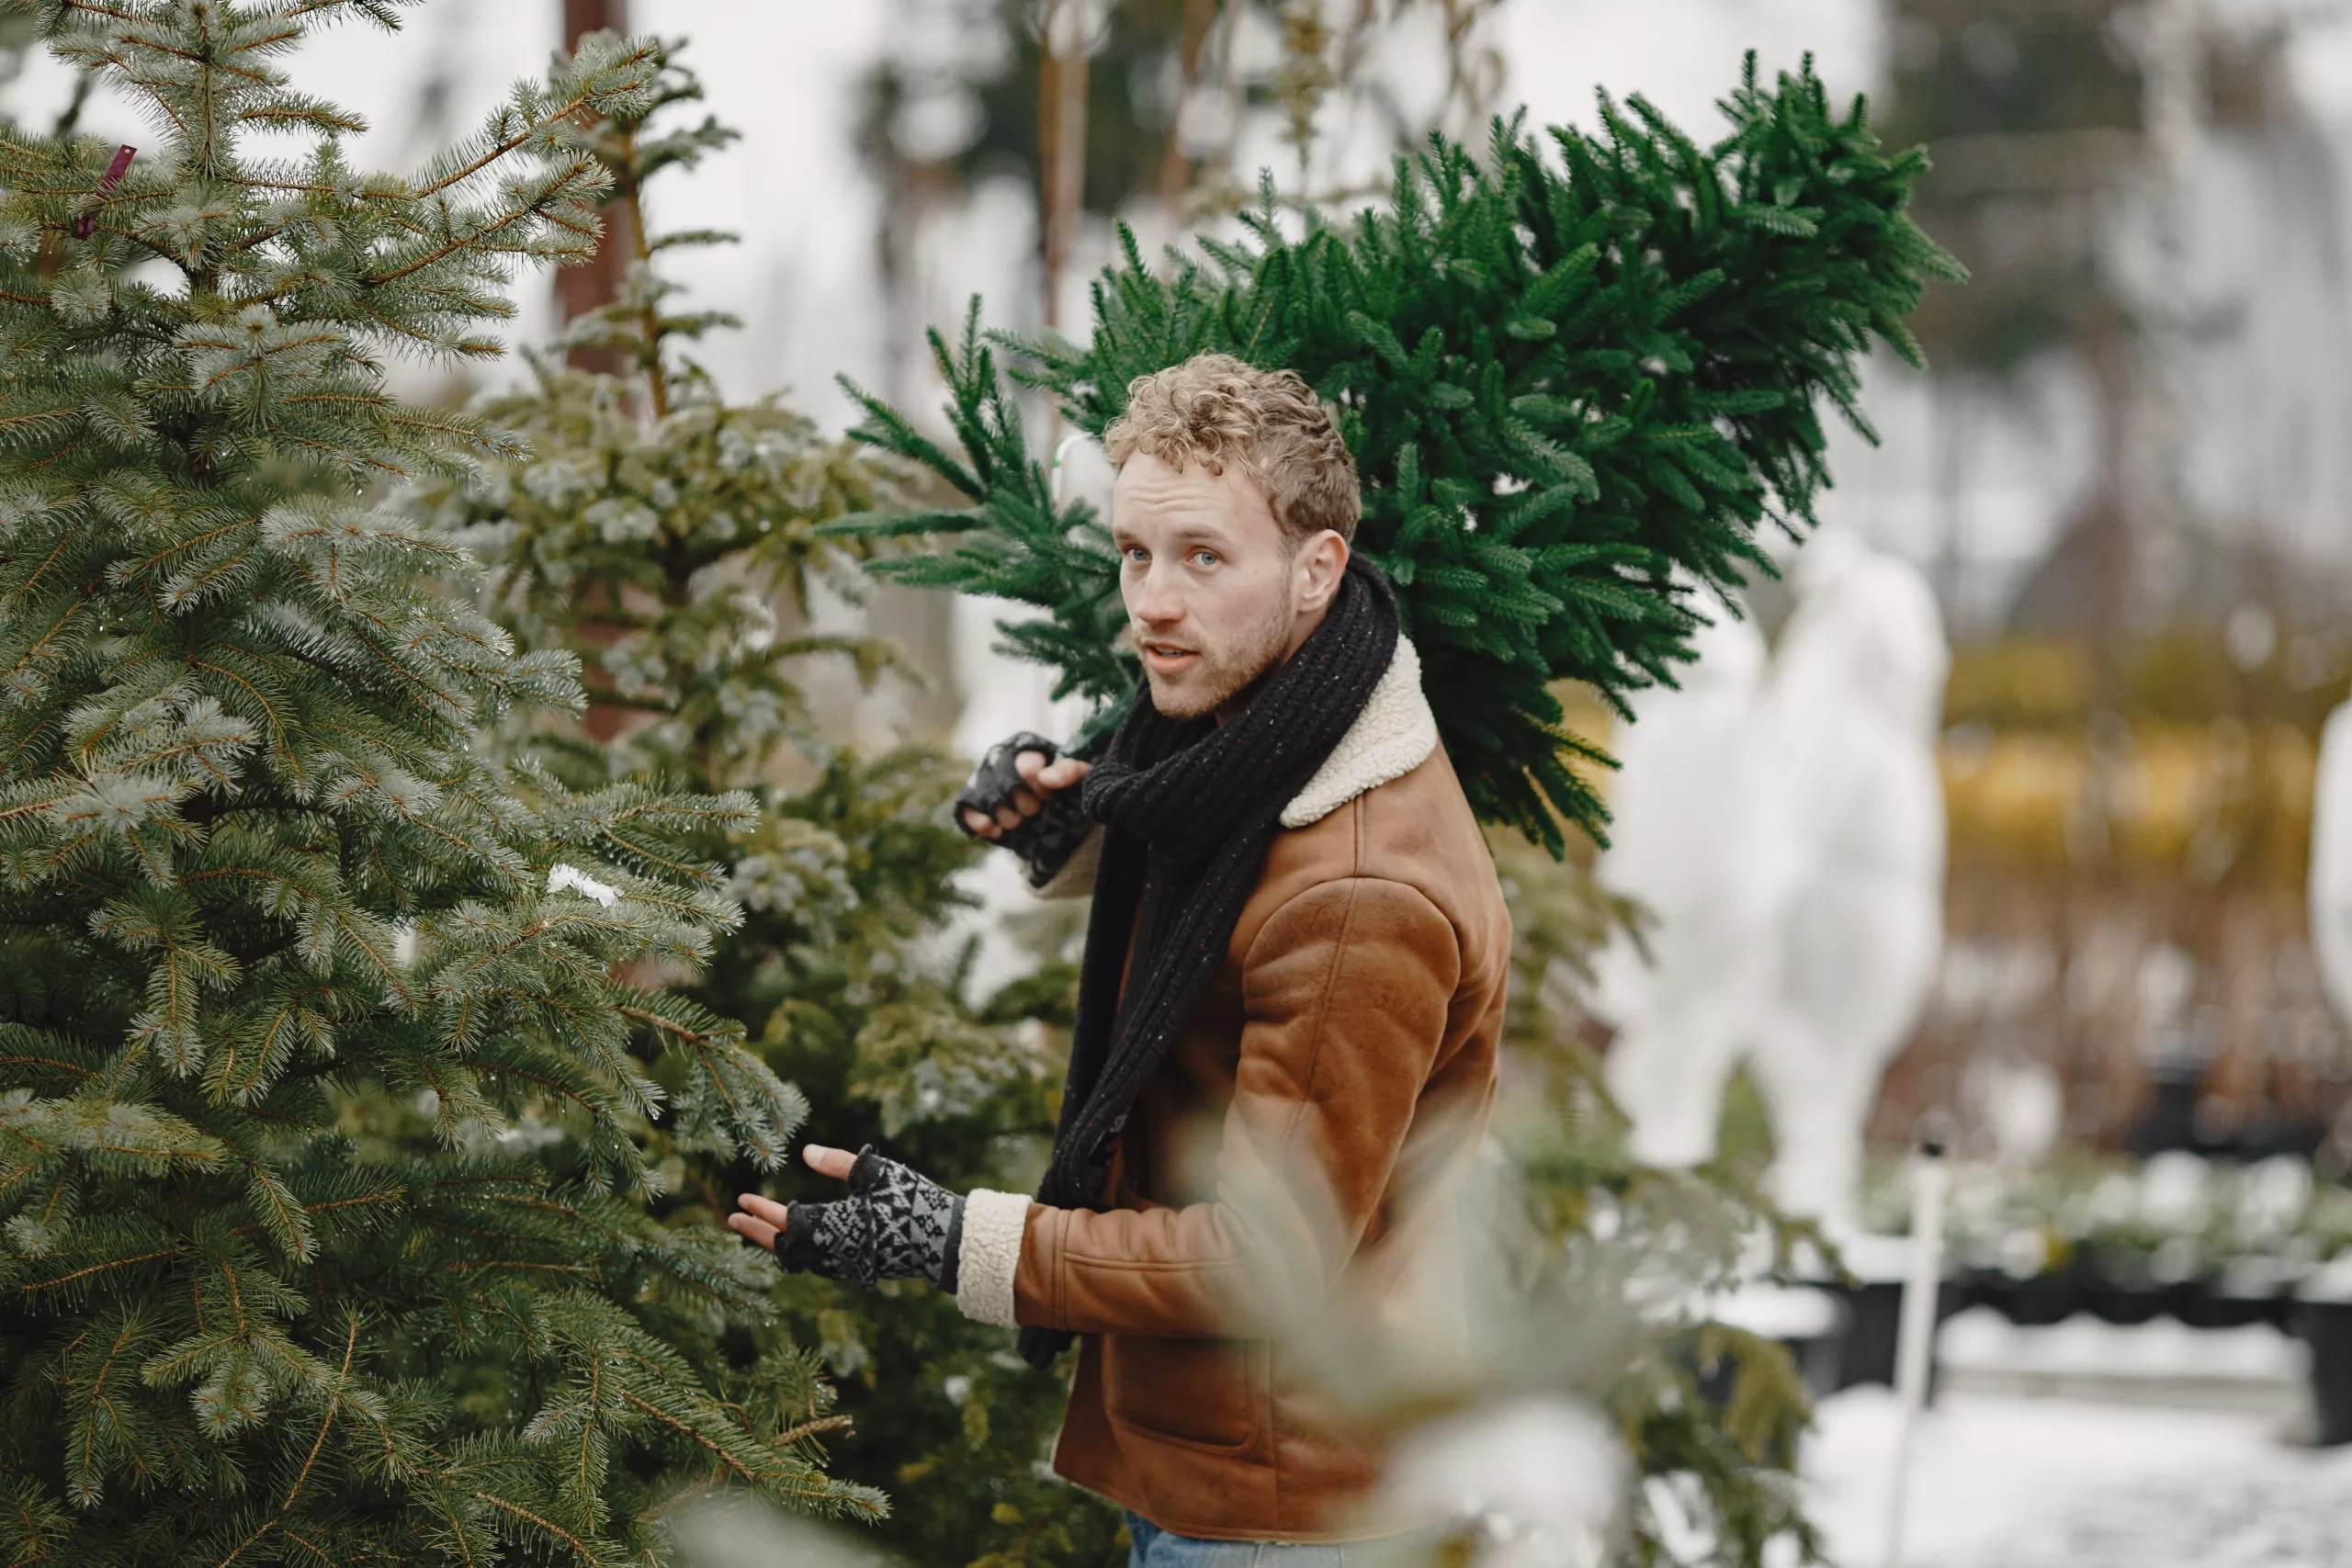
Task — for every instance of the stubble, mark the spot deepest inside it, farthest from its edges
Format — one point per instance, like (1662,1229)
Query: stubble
(1224,676)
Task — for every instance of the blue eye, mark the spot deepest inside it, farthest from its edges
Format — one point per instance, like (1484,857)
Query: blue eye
(1137,554)
(1204,558)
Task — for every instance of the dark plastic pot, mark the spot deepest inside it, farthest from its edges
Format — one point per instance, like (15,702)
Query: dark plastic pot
(2200,1304)
(2326,1328)
(1874,1327)
(1873,1324)
(2035,1302)
(2125,1304)
(1821,1360)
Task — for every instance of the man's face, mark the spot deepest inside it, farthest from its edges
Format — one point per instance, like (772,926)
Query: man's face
(1216,593)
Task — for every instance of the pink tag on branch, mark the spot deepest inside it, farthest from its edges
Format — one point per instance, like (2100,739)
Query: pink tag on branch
(88,221)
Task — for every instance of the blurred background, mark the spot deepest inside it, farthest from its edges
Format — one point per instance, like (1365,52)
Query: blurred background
(2126,484)
(2127,476)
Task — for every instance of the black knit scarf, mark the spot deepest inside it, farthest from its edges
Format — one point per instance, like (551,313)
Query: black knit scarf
(1190,807)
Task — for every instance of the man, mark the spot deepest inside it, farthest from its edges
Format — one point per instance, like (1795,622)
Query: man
(1289,1006)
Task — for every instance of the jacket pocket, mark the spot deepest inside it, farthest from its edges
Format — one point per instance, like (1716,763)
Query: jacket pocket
(1203,1391)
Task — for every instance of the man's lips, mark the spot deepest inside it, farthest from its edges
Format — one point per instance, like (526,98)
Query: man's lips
(1166,659)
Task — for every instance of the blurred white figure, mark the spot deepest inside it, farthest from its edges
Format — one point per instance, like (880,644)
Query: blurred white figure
(721,1529)
(2022,1104)
(1693,842)
(2331,878)
(1850,716)
(1537,1484)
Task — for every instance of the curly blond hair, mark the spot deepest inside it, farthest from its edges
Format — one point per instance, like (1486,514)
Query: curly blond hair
(1213,410)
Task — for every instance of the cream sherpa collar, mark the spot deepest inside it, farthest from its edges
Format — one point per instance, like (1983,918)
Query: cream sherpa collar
(1394,734)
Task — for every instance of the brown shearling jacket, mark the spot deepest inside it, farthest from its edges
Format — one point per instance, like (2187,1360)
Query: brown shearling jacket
(1286,1155)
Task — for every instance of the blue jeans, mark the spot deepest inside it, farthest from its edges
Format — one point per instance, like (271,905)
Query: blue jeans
(1157,1548)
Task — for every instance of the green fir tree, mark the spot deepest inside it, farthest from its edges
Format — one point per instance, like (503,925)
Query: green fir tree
(672,540)
(326,1081)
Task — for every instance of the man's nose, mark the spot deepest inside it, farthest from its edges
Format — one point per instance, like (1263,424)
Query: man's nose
(1155,597)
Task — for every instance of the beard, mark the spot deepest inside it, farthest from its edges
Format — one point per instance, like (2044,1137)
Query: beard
(1221,675)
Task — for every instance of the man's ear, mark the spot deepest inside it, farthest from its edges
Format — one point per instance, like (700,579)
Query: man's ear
(1319,565)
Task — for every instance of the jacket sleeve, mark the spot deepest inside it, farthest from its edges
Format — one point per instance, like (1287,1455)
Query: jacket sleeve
(1345,993)
(1075,878)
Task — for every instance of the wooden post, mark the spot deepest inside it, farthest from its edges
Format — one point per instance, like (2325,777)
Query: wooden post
(583,288)
(1064,34)
(1175,168)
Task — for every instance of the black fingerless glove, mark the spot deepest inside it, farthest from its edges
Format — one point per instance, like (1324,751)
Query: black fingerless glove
(894,1225)
(1045,842)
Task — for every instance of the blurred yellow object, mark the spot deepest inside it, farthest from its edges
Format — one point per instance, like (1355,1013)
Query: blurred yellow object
(2023,682)
(2207,801)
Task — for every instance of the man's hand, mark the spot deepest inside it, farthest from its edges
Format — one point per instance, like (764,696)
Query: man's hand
(1023,797)
(763,1219)
(895,1224)
(1040,777)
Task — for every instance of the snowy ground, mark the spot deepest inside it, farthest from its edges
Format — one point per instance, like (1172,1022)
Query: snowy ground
(2007,1480)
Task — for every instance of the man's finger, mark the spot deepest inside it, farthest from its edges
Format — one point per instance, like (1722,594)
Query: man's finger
(752,1230)
(1026,804)
(767,1209)
(829,1162)
(980,822)
(1029,764)
(1062,773)
(1006,817)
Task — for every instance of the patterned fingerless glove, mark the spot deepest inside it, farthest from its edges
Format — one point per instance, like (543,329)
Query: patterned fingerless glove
(1045,842)
(894,1225)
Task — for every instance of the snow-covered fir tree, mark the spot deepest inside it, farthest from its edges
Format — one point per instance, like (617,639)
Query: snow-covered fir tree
(296,988)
